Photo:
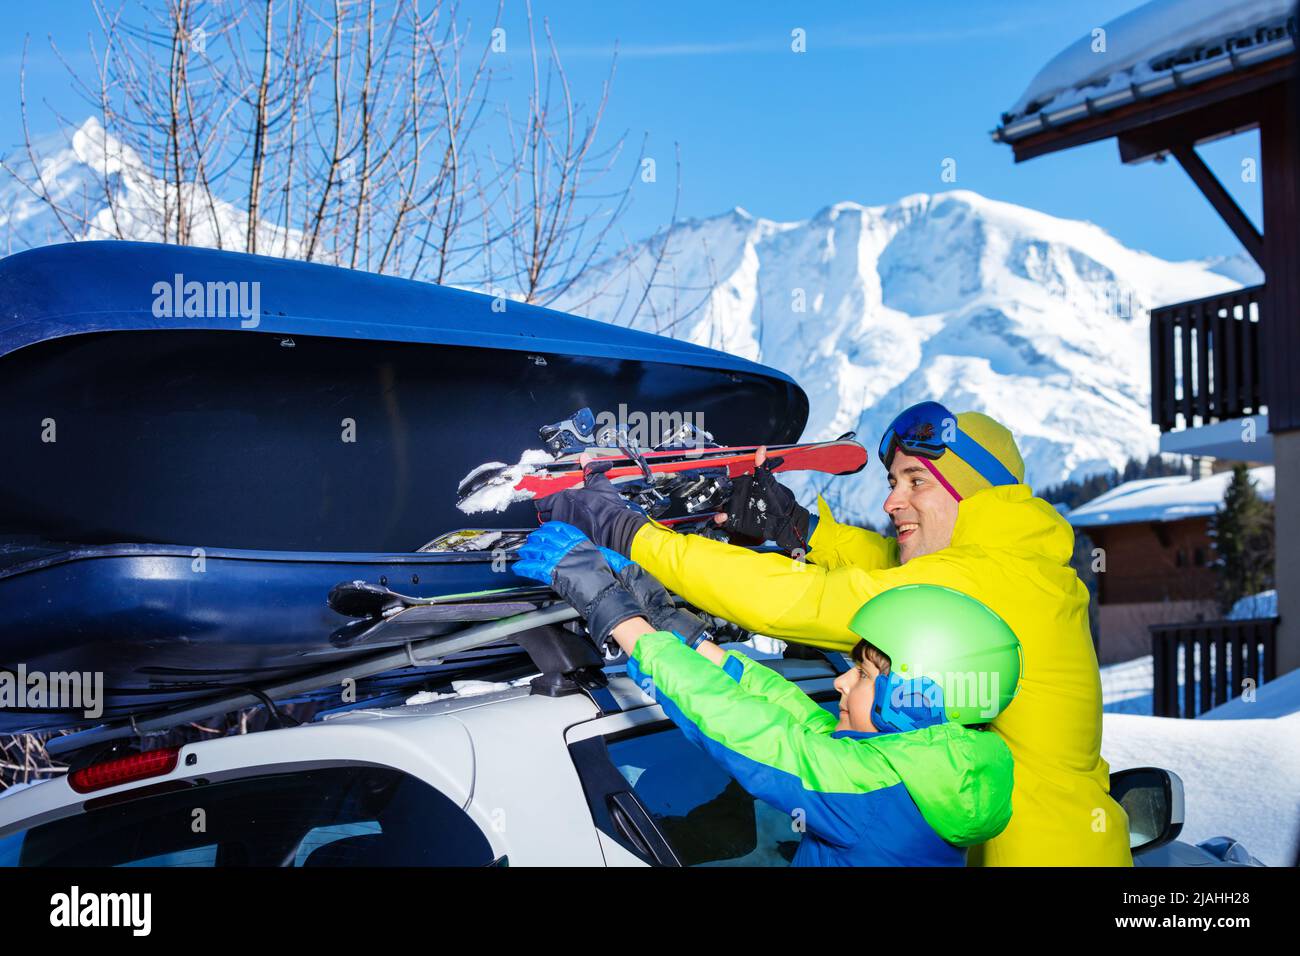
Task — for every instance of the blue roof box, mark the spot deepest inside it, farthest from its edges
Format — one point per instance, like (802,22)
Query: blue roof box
(199,444)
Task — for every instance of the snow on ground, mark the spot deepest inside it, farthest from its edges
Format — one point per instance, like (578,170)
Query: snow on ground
(79,167)
(1276,698)
(1241,777)
(1239,763)
(1128,687)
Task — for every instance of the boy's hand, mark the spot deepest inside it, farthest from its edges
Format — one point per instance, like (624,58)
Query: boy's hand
(560,555)
(658,605)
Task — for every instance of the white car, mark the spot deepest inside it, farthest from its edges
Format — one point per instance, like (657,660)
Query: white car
(566,776)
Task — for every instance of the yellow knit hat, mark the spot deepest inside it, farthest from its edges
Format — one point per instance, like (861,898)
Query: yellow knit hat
(993,437)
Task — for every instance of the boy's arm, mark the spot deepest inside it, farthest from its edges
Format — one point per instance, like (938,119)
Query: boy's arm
(834,545)
(766,684)
(775,756)
(781,597)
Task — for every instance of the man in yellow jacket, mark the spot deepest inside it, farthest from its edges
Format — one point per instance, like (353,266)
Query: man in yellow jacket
(965,520)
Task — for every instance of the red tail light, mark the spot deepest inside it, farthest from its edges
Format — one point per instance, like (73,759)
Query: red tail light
(112,773)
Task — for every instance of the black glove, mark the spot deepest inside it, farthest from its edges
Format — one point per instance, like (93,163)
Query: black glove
(561,556)
(763,508)
(658,605)
(598,511)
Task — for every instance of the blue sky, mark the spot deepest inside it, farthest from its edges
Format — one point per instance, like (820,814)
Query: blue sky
(884,94)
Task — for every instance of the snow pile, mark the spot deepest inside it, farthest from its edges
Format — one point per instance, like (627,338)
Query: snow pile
(1139,45)
(1165,499)
(1241,777)
(1038,321)
(1239,763)
(499,492)
(1279,697)
(1128,687)
(1263,604)
(468,688)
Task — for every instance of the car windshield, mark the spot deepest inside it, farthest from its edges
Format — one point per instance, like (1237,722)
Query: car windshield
(334,816)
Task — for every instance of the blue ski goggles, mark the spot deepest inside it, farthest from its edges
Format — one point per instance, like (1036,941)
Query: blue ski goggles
(927,430)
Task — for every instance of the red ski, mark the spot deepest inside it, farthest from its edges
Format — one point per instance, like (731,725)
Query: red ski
(694,480)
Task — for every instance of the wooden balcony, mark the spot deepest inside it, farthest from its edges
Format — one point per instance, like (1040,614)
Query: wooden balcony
(1199,666)
(1205,360)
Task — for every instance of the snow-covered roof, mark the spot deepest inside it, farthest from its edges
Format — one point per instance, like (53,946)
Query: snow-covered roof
(1161,46)
(1263,604)
(1164,499)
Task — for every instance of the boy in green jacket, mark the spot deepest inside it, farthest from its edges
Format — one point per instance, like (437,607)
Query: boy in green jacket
(906,776)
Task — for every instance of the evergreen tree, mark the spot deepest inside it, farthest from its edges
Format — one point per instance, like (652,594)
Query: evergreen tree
(1242,536)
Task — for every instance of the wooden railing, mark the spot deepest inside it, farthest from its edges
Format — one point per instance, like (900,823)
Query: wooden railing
(1205,363)
(1211,660)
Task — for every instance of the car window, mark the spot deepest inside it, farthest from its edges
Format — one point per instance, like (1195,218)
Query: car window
(333,816)
(700,809)
(320,836)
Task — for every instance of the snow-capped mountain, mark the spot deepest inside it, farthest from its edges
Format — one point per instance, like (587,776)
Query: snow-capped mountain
(983,305)
(80,169)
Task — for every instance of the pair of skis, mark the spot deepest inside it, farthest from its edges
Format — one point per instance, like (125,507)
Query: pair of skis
(687,475)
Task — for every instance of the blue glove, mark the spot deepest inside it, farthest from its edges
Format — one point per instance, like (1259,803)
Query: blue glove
(615,560)
(560,555)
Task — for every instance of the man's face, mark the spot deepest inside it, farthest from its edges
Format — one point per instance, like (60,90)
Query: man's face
(924,512)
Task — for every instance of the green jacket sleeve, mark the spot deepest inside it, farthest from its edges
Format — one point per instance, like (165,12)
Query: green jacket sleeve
(767,685)
(790,764)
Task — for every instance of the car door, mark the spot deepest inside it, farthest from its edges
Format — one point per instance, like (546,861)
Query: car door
(660,798)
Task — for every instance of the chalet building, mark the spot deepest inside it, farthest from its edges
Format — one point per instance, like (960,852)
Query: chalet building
(1160,81)
(1154,538)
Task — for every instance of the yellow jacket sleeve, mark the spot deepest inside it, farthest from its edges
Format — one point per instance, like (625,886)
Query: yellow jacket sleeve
(833,545)
(778,596)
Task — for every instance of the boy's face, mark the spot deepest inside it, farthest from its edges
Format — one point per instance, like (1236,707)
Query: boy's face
(924,512)
(857,688)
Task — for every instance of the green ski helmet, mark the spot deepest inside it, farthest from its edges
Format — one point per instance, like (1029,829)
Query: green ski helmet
(951,657)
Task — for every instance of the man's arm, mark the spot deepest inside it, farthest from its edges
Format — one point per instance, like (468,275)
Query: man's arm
(777,596)
(834,545)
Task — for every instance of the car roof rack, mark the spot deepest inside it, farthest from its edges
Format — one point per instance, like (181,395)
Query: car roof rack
(568,661)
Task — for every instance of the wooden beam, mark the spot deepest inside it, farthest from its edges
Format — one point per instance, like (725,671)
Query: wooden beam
(1223,203)
(1224,118)
(1279,323)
